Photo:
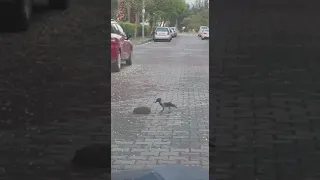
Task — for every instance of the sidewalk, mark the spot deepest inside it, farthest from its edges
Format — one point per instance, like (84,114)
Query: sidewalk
(139,40)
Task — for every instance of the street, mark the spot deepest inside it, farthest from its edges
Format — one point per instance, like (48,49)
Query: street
(53,96)
(176,71)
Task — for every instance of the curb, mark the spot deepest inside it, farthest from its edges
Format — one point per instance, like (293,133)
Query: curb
(145,41)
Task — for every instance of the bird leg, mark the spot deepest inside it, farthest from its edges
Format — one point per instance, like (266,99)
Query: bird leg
(162,108)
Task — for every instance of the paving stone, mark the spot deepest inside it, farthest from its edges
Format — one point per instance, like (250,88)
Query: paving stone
(174,76)
(262,87)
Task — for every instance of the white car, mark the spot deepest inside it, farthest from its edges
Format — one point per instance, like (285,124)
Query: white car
(201,29)
(171,32)
(205,34)
(162,33)
(175,31)
(20,11)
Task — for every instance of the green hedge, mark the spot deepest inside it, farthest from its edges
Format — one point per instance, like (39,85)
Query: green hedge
(129,28)
(147,30)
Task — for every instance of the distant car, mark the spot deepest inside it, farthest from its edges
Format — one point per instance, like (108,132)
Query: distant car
(162,33)
(20,11)
(175,33)
(121,47)
(201,29)
(205,34)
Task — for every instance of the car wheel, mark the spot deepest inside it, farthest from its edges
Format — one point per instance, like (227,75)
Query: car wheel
(59,4)
(129,60)
(202,38)
(154,40)
(117,64)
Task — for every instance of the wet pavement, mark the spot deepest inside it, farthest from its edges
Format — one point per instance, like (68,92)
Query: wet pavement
(175,71)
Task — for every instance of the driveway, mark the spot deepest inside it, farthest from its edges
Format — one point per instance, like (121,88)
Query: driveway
(176,71)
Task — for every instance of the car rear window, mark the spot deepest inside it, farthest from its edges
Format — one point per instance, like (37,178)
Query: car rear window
(162,29)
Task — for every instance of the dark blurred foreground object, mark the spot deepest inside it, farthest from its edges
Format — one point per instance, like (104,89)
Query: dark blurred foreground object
(165,172)
(142,110)
(94,156)
(17,13)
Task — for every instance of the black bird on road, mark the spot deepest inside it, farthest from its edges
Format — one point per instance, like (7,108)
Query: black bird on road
(165,104)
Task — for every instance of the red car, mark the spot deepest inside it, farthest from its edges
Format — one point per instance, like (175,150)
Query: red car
(121,46)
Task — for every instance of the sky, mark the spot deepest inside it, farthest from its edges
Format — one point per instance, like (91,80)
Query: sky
(190,1)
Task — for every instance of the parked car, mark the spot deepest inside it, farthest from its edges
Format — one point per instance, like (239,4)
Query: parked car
(171,32)
(205,34)
(20,11)
(175,33)
(201,29)
(162,33)
(121,47)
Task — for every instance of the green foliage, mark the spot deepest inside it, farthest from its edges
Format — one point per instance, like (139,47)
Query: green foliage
(147,30)
(129,28)
(114,6)
(165,9)
(197,16)
(161,10)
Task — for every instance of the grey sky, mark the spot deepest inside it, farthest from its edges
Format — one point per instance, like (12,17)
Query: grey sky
(190,1)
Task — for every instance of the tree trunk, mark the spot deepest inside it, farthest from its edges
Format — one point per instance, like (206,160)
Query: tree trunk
(151,21)
(176,22)
(137,24)
(129,14)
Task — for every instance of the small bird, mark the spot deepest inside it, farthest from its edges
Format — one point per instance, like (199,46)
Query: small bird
(165,104)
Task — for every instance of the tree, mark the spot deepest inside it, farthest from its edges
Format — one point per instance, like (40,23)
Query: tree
(164,10)
(197,16)
(156,10)
(128,4)
(114,7)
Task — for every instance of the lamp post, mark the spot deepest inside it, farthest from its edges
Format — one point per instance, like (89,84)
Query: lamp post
(143,12)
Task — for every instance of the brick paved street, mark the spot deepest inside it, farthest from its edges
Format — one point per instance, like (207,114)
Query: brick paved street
(265,95)
(53,93)
(177,71)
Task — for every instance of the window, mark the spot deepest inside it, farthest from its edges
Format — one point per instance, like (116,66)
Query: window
(120,29)
(162,29)
(114,29)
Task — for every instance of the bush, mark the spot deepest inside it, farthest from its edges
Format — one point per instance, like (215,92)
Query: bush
(147,30)
(129,28)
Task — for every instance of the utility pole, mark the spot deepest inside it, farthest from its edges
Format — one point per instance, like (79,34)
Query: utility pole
(143,11)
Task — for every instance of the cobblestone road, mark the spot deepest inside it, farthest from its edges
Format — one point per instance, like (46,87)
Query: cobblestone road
(177,71)
(266,90)
(53,93)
